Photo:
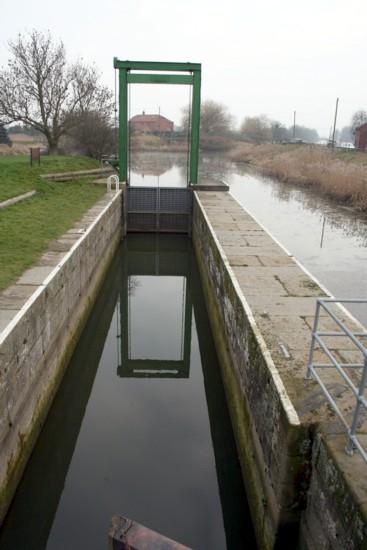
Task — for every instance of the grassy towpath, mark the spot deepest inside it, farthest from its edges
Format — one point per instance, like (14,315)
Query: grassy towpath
(27,227)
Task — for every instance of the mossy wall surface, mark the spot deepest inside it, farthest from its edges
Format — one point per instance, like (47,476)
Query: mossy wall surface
(273,449)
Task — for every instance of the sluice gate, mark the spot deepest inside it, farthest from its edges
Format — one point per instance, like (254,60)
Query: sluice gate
(159,209)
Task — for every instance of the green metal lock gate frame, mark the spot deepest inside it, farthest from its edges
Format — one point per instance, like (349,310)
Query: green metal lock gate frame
(127,77)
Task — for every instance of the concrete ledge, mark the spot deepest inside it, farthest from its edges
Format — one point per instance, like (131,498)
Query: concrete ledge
(18,198)
(210,186)
(66,176)
(36,345)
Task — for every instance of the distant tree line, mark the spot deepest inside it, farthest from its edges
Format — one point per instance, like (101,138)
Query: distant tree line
(261,129)
(217,123)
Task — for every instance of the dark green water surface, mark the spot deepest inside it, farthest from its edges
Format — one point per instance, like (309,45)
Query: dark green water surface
(140,425)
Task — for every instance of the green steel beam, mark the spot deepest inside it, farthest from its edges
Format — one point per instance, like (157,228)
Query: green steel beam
(139,78)
(155,66)
(195,129)
(125,77)
(123,124)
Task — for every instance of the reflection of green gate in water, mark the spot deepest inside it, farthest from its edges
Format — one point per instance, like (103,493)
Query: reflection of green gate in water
(162,262)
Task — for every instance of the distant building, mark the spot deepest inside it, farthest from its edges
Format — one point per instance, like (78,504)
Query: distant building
(360,139)
(150,124)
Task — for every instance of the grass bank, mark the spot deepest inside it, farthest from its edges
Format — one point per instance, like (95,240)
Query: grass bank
(17,176)
(340,175)
(27,227)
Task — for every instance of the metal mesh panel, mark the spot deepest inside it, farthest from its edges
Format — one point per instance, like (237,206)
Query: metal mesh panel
(174,222)
(159,209)
(141,222)
(142,199)
(175,200)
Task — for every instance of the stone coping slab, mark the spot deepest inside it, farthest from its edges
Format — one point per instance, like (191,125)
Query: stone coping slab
(281,295)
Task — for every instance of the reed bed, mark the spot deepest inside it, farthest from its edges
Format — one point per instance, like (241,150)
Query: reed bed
(339,175)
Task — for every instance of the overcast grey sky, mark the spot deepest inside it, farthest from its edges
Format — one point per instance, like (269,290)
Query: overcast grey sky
(263,57)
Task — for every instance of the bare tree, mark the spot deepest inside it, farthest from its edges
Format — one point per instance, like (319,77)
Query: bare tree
(92,134)
(41,90)
(257,129)
(278,132)
(215,119)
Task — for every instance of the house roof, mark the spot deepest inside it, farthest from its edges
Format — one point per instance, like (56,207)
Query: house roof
(148,118)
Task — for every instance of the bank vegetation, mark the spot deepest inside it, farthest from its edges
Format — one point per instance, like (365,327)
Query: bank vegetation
(26,228)
(340,175)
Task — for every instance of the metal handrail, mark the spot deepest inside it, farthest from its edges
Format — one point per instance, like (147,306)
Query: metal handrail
(342,368)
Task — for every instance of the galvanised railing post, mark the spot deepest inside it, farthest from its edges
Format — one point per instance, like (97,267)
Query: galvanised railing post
(355,334)
(314,330)
(353,429)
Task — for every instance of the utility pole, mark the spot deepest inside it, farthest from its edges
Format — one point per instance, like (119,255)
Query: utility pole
(336,114)
(294,124)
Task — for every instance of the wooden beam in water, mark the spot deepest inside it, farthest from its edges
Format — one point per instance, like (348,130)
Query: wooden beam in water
(126,534)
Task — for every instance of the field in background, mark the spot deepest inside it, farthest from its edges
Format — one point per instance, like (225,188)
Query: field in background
(27,227)
(21,144)
(340,175)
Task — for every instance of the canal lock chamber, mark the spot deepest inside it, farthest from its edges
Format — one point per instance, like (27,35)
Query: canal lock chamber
(140,425)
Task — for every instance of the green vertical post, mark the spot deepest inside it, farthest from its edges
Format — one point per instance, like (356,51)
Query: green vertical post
(123,125)
(195,128)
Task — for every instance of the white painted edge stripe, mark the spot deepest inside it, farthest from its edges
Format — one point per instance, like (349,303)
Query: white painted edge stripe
(9,328)
(283,395)
(346,312)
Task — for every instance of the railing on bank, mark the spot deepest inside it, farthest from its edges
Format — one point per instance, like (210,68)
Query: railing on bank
(354,373)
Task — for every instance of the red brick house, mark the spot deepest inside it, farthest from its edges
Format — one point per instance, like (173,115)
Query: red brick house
(150,124)
(361,137)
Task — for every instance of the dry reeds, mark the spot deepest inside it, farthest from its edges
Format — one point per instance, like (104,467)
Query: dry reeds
(335,175)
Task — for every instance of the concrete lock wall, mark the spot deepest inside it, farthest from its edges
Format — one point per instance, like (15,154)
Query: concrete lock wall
(304,491)
(335,516)
(36,348)
(273,447)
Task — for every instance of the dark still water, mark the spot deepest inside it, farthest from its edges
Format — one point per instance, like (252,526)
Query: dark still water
(140,425)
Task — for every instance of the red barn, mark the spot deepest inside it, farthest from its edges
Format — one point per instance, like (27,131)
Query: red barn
(361,137)
(151,124)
